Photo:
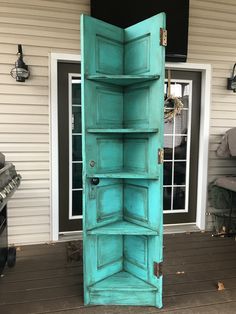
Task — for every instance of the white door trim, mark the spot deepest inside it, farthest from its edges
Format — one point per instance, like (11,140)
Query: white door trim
(205,70)
(54,58)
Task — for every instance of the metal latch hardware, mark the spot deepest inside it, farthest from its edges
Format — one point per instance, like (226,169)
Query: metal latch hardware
(163,37)
(92,163)
(157,269)
(160,155)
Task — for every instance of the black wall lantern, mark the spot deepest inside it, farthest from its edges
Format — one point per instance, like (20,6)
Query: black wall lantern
(20,72)
(232,81)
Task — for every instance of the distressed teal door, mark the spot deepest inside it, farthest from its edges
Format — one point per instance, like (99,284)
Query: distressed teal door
(122,108)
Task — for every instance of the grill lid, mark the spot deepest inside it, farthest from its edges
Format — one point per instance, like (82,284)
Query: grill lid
(9,180)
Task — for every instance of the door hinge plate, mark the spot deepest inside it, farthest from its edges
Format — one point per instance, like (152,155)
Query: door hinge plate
(163,37)
(160,155)
(157,269)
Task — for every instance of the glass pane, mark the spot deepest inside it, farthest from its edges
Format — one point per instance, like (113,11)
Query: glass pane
(167,173)
(168,144)
(180,173)
(77,147)
(76,119)
(185,101)
(179,198)
(180,147)
(165,89)
(76,203)
(167,198)
(176,89)
(77,176)
(181,122)
(76,94)
(169,127)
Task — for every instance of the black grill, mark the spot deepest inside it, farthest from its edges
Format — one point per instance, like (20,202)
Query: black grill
(9,182)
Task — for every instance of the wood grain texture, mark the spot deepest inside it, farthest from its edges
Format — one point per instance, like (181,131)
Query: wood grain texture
(47,283)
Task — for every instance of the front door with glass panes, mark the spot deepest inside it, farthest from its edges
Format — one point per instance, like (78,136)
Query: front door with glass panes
(70,149)
(181,140)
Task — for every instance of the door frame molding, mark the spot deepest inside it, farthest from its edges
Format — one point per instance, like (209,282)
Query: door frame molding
(54,58)
(205,70)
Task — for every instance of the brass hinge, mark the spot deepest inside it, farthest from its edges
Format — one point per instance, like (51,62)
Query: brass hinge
(160,155)
(157,269)
(163,37)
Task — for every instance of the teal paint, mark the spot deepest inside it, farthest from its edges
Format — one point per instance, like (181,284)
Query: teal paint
(122,115)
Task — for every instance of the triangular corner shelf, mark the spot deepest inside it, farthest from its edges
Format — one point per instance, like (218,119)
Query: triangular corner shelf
(122,80)
(122,228)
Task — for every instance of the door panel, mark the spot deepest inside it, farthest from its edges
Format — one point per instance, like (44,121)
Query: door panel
(104,154)
(106,105)
(105,48)
(136,155)
(142,53)
(136,106)
(139,203)
(136,256)
(122,93)
(105,203)
(106,252)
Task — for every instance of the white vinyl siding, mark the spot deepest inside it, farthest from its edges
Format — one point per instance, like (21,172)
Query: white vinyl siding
(42,27)
(212,40)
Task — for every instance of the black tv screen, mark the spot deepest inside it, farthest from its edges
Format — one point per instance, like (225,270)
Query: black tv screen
(124,13)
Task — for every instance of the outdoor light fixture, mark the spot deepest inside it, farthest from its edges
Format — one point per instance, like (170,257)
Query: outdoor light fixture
(232,81)
(20,72)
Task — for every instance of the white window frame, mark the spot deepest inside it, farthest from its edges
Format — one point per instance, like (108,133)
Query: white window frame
(185,210)
(70,134)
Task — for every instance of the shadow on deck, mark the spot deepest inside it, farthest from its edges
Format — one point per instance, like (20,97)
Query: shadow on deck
(44,281)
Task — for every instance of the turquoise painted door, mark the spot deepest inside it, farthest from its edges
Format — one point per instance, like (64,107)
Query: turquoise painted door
(122,109)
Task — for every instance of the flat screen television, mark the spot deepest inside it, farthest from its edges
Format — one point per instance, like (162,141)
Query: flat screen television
(124,13)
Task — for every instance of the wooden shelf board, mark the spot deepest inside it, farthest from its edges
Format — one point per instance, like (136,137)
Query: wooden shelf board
(122,80)
(123,228)
(123,130)
(123,175)
(122,281)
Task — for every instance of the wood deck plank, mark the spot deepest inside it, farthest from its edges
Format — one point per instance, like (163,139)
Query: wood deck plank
(47,306)
(15,297)
(12,276)
(201,258)
(44,281)
(213,265)
(199,276)
(41,249)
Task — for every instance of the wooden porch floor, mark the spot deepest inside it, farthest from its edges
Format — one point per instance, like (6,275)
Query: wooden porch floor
(43,281)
